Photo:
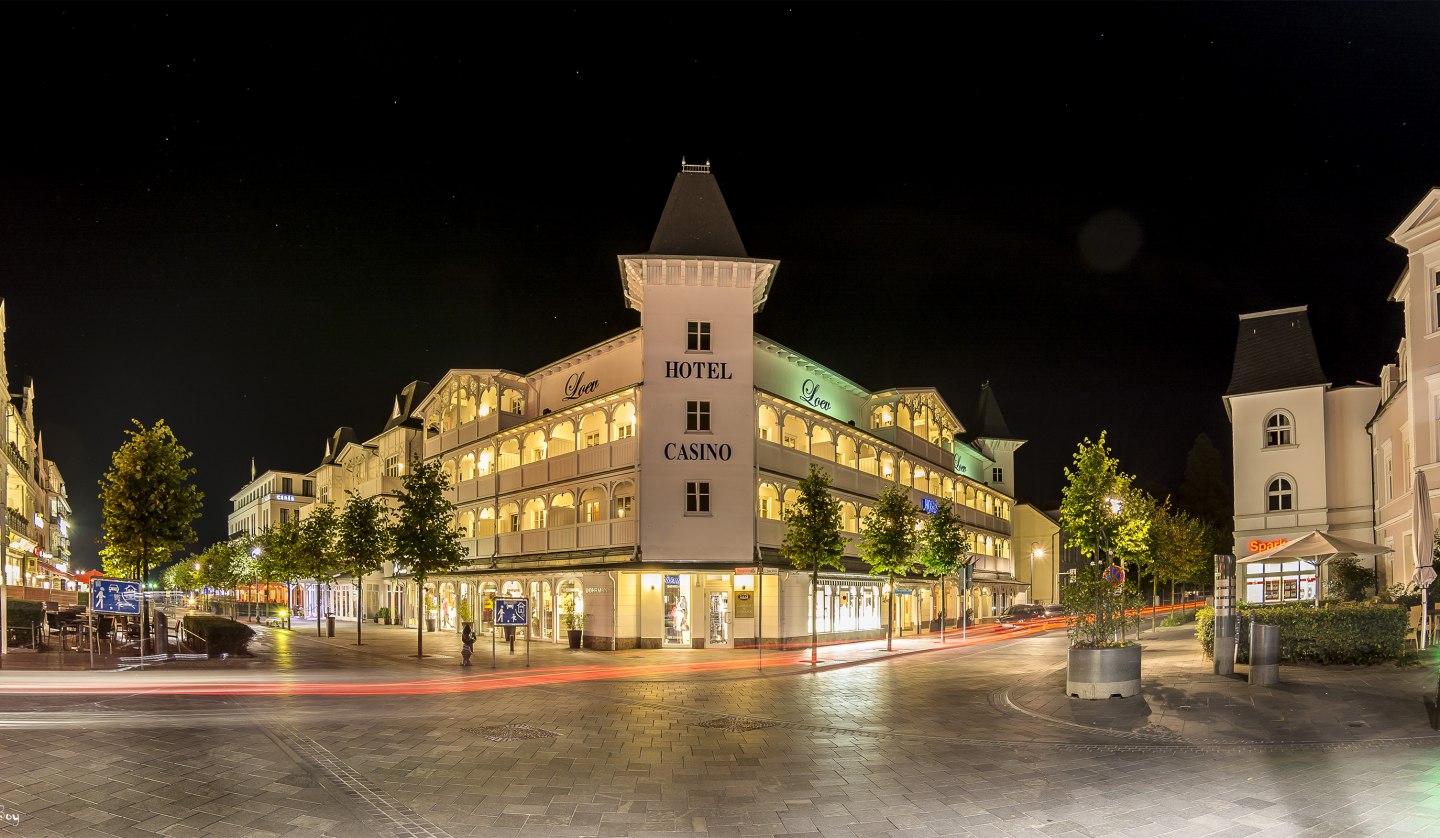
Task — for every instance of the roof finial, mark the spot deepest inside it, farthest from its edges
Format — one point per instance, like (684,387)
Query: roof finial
(695,168)
(252,469)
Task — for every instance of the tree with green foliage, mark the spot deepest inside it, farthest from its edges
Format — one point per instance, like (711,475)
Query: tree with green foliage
(316,552)
(426,541)
(181,576)
(812,538)
(148,506)
(280,559)
(888,537)
(1348,580)
(944,548)
(1104,512)
(1179,548)
(364,542)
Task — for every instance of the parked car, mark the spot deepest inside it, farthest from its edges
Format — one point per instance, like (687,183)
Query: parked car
(1054,609)
(1022,613)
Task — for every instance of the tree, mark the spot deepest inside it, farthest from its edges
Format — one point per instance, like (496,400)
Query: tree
(812,538)
(364,541)
(887,543)
(1179,547)
(280,558)
(944,547)
(181,576)
(148,506)
(1348,580)
(1206,495)
(316,555)
(1102,509)
(425,539)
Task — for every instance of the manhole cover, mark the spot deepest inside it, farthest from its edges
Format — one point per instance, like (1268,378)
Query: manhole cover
(730,724)
(510,733)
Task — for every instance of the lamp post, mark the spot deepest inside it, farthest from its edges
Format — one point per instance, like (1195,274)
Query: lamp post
(1036,552)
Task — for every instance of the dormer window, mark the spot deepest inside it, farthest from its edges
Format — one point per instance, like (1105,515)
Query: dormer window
(1279,429)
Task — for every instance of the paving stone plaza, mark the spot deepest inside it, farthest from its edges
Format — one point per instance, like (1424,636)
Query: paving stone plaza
(930,740)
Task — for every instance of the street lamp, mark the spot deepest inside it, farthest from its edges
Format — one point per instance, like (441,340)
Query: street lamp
(1036,552)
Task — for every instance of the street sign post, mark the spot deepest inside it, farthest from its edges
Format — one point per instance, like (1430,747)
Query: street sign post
(115,596)
(511,611)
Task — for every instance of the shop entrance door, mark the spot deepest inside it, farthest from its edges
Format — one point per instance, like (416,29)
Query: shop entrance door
(717,632)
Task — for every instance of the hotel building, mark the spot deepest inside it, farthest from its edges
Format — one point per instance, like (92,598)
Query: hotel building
(642,481)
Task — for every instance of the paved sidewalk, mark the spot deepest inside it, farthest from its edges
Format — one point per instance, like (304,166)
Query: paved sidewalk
(1183,700)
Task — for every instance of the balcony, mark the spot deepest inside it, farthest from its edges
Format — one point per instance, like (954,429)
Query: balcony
(789,461)
(934,454)
(386,484)
(594,535)
(18,524)
(593,460)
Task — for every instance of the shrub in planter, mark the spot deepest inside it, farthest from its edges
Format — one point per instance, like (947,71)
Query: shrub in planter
(221,635)
(1101,663)
(22,613)
(1337,634)
(383,614)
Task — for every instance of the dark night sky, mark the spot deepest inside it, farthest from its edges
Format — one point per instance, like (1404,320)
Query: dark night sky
(259,221)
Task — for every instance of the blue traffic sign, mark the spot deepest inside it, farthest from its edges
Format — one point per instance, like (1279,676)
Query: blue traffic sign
(115,596)
(512,611)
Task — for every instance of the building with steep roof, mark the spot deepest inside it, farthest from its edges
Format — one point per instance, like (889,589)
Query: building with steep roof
(1301,452)
(642,482)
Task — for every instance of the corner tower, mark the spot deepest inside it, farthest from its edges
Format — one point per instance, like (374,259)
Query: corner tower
(697,292)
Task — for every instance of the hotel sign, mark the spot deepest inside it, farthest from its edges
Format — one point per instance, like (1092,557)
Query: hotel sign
(810,394)
(284,497)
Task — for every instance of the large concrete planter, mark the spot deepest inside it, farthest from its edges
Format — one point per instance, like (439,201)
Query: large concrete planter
(1103,673)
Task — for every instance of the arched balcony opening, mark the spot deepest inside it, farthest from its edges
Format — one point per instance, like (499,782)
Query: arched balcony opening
(465,523)
(622,421)
(849,521)
(592,505)
(882,417)
(769,500)
(922,424)
(509,517)
(509,454)
(947,489)
(535,515)
(887,465)
(791,497)
(864,514)
(485,522)
(845,452)
(622,503)
(467,466)
(562,439)
(512,401)
(869,462)
(487,403)
(448,467)
(822,443)
(592,430)
(794,434)
(933,484)
(485,460)
(769,423)
(562,510)
(466,404)
(534,446)
(904,418)
(907,477)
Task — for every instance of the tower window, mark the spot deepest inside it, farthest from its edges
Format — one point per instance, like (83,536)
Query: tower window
(697,497)
(697,336)
(1280,495)
(1279,429)
(697,416)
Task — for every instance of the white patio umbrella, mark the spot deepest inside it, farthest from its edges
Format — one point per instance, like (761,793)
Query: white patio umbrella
(1318,547)
(1424,551)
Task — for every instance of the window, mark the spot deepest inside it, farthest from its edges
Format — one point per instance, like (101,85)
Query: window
(537,519)
(767,507)
(514,522)
(697,497)
(624,431)
(592,439)
(392,466)
(1280,495)
(287,485)
(697,416)
(997,475)
(697,336)
(590,511)
(307,488)
(1279,429)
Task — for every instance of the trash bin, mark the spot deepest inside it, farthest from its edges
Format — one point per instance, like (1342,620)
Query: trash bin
(1264,654)
(329,625)
(162,633)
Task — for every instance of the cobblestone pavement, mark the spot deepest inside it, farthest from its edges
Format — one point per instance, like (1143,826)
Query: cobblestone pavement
(973,740)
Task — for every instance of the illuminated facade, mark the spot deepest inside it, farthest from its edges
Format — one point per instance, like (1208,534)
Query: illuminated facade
(642,482)
(1301,453)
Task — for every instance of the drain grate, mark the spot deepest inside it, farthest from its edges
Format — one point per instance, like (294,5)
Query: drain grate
(510,733)
(730,724)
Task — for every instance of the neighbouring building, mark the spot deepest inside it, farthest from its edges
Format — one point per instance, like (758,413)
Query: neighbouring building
(642,482)
(1312,456)
(268,499)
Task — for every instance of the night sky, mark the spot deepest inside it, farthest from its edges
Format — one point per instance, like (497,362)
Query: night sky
(260,221)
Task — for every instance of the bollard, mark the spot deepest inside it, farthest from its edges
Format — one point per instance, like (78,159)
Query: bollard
(329,625)
(1264,654)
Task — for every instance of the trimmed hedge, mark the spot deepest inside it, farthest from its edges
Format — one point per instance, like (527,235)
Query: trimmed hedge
(1343,634)
(23,613)
(222,635)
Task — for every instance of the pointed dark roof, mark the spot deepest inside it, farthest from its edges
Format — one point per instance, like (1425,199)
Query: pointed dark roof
(696,221)
(1275,350)
(989,422)
(336,443)
(407,400)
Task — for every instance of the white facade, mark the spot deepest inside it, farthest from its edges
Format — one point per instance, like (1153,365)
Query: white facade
(634,480)
(269,499)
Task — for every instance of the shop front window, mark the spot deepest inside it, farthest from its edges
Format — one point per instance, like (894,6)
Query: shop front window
(677,609)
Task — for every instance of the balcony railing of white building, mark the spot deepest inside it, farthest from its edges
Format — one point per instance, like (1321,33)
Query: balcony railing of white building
(555,469)
(586,535)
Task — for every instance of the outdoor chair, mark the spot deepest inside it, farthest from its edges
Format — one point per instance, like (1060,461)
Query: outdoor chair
(1416,625)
